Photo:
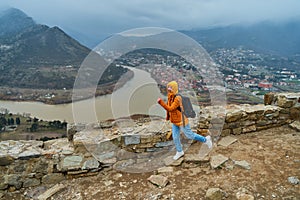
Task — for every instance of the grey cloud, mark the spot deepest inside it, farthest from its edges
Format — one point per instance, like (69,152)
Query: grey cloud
(112,16)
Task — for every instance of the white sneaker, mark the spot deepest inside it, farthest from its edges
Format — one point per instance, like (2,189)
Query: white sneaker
(178,155)
(208,142)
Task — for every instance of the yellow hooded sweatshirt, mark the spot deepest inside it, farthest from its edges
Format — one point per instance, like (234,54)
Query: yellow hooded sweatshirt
(173,114)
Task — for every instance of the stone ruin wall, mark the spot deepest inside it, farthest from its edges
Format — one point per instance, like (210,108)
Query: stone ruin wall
(279,109)
(31,163)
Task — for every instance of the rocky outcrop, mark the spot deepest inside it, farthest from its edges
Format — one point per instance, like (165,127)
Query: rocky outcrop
(123,143)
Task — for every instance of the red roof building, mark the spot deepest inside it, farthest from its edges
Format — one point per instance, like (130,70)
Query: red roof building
(265,85)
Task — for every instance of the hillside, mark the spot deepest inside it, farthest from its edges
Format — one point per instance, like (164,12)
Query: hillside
(41,45)
(36,56)
(280,39)
(27,44)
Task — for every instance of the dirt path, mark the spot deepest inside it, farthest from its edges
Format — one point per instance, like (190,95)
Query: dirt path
(274,155)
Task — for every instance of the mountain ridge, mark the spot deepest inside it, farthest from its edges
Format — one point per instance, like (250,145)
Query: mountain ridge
(35,44)
(280,39)
(267,37)
(16,17)
(37,56)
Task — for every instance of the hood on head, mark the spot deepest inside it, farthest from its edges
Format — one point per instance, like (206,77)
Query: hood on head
(174,86)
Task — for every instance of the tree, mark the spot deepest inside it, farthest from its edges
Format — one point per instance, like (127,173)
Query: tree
(34,127)
(57,124)
(12,121)
(64,125)
(18,121)
(8,122)
(3,122)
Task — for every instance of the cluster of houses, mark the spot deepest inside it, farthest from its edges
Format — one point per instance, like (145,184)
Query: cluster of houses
(267,82)
(243,70)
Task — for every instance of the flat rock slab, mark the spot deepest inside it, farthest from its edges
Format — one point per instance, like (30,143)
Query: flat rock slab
(30,153)
(71,162)
(51,192)
(226,141)
(243,164)
(217,160)
(195,158)
(90,164)
(295,125)
(169,161)
(159,180)
(165,170)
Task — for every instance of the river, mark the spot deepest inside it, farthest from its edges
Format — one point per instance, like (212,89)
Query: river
(137,96)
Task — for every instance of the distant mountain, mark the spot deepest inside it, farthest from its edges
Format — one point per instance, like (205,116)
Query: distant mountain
(42,45)
(281,39)
(30,44)
(12,21)
(278,39)
(38,56)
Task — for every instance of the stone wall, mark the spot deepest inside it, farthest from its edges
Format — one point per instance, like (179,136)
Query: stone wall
(243,119)
(290,102)
(279,109)
(31,163)
(88,149)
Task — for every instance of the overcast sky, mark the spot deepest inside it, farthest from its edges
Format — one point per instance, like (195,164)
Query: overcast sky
(101,18)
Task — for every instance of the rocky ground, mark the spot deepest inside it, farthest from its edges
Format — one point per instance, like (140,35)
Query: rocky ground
(270,169)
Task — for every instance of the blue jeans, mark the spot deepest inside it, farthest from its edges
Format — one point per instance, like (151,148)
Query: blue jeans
(187,132)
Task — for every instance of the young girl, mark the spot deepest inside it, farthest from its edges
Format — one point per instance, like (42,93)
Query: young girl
(175,116)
